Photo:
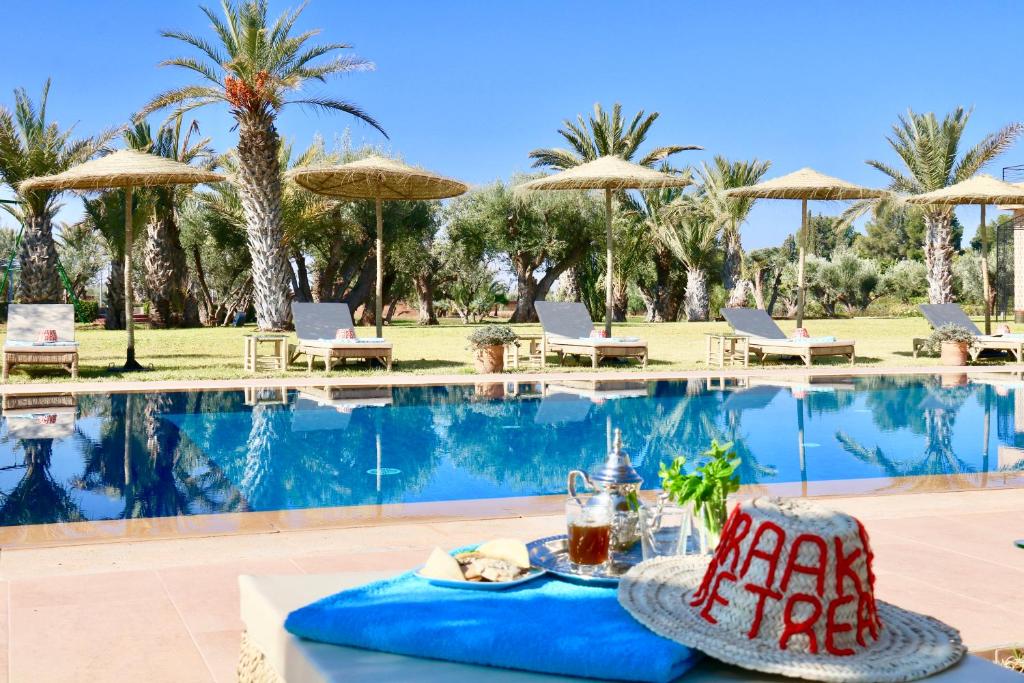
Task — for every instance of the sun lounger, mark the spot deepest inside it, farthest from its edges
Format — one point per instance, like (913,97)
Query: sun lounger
(567,327)
(938,315)
(766,339)
(316,326)
(270,653)
(25,322)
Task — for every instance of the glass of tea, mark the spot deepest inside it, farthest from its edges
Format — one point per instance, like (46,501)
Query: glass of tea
(590,535)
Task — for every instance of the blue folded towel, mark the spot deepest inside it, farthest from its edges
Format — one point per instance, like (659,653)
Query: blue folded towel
(14,342)
(545,625)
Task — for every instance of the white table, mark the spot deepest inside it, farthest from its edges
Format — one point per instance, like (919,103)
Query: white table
(267,600)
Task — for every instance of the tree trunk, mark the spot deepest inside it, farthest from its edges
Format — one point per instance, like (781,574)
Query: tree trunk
(732,264)
(38,281)
(209,314)
(424,282)
(938,256)
(166,273)
(620,301)
(572,286)
(697,302)
(259,184)
(114,318)
(738,294)
(303,291)
(526,294)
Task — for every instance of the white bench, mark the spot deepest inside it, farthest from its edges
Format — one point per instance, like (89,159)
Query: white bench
(270,654)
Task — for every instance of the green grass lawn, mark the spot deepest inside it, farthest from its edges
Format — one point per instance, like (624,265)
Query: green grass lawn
(216,353)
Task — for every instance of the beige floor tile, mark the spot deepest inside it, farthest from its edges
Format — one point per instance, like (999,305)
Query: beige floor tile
(388,561)
(220,651)
(981,625)
(207,596)
(987,582)
(92,589)
(136,641)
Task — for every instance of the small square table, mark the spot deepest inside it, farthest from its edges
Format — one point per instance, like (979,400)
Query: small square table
(254,360)
(514,354)
(727,348)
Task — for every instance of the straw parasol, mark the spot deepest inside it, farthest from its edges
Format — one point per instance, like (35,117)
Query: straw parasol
(376,178)
(982,190)
(804,184)
(611,174)
(128,169)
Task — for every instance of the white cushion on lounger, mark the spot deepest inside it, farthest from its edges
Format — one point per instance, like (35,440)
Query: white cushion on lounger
(346,343)
(597,341)
(757,341)
(29,347)
(267,600)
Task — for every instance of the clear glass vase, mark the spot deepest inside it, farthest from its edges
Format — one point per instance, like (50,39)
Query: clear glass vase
(670,529)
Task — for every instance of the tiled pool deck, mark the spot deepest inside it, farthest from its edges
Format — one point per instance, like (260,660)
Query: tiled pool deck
(156,600)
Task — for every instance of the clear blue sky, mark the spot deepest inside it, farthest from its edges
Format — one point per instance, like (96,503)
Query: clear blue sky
(468,88)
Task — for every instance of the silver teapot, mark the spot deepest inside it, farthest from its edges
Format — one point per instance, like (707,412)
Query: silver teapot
(616,484)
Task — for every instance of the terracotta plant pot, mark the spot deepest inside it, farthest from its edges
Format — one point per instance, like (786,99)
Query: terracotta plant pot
(489,359)
(953,353)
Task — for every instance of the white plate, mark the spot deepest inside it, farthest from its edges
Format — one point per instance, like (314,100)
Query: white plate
(483,585)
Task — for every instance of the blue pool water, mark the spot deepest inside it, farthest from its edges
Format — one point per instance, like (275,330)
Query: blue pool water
(111,456)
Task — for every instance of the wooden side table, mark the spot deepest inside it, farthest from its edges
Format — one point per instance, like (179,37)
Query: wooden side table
(531,357)
(726,348)
(255,360)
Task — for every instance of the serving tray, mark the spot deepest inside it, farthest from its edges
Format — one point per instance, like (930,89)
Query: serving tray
(551,553)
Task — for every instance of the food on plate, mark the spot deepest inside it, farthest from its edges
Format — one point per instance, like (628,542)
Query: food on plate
(498,561)
(511,550)
(441,565)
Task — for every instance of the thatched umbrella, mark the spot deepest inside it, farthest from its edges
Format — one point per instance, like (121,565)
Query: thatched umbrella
(376,178)
(981,190)
(611,174)
(804,184)
(128,169)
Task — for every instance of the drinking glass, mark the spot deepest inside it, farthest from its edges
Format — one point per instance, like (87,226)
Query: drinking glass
(670,529)
(589,527)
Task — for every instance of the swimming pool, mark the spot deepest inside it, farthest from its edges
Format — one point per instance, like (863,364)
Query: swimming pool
(142,455)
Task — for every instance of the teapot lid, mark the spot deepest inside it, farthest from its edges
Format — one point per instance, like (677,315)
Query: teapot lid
(617,468)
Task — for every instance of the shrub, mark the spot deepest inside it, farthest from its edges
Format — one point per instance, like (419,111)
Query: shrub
(87,311)
(491,335)
(905,280)
(956,334)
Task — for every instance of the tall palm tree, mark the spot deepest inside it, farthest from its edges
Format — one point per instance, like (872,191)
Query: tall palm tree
(166,267)
(105,215)
(256,67)
(604,134)
(691,232)
(731,212)
(31,145)
(930,152)
(601,134)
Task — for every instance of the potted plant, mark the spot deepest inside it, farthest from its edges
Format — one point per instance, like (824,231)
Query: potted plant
(705,490)
(952,342)
(488,345)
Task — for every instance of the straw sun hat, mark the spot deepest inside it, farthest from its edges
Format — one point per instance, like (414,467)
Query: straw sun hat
(790,591)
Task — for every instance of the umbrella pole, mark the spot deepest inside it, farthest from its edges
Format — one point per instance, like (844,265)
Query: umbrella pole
(802,247)
(984,272)
(129,320)
(378,306)
(608,295)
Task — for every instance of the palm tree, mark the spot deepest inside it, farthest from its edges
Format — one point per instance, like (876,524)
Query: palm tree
(731,212)
(604,134)
(691,232)
(930,152)
(255,67)
(30,145)
(105,215)
(166,268)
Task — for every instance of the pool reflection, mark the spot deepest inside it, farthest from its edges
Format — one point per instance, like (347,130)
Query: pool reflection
(124,456)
